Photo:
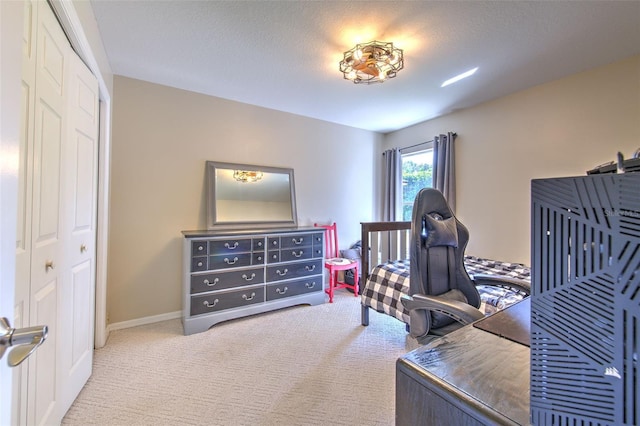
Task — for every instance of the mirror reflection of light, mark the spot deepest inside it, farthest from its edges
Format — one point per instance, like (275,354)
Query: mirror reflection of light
(266,202)
(247,176)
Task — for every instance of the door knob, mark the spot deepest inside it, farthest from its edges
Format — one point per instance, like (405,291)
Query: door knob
(23,341)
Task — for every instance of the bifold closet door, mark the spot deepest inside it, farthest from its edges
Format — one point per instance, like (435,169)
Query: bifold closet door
(55,268)
(46,215)
(25,201)
(80,157)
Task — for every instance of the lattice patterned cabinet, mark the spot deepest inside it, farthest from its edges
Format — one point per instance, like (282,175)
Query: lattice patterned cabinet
(585,303)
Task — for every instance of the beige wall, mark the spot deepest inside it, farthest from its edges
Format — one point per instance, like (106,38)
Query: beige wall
(162,137)
(562,128)
(161,140)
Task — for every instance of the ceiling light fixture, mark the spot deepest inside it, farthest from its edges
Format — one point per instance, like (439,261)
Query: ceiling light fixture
(372,62)
(459,77)
(247,176)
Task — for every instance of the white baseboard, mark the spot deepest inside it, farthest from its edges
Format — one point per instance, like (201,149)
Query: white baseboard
(144,321)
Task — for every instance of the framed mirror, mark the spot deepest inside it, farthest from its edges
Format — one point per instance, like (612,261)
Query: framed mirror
(250,196)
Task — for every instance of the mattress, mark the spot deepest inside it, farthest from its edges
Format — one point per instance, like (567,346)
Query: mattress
(388,282)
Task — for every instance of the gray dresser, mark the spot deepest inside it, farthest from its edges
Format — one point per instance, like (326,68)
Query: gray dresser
(232,274)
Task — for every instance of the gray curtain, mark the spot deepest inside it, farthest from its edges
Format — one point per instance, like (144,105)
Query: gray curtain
(444,171)
(392,169)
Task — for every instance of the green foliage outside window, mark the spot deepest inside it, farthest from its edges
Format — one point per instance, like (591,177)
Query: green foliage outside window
(415,176)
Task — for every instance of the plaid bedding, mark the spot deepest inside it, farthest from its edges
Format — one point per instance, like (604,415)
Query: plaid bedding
(390,281)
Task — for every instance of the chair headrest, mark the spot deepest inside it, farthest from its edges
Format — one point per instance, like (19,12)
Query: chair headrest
(440,231)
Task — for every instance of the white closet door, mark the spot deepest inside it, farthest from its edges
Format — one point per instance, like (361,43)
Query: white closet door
(56,229)
(25,185)
(47,260)
(11,14)
(80,157)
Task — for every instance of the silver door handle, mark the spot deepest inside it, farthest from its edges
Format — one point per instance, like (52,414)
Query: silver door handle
(24,341)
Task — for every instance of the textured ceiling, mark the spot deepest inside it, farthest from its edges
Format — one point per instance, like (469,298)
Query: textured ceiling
(284,54)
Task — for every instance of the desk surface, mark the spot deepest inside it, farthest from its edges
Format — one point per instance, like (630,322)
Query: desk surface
(513,323)
(487,374)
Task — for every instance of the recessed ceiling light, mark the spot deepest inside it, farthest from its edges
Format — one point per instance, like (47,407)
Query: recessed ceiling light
(459,77)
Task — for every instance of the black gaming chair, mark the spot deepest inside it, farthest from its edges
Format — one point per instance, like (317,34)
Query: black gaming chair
(442,295)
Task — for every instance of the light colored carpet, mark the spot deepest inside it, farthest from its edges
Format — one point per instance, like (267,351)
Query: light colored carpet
(306,365)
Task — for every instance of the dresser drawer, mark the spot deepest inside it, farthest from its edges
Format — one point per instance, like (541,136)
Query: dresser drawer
(273,243)
(258,244)
(199,248)
(294,270)
(233,260)
(294,288)
(294,240)
(222,280)
(297,253)
(230,246)
(258,258)
(199,263)
(318,244)
(273,256)
(220,301)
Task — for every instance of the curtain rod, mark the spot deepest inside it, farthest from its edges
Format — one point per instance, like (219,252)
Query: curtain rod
(422,143)
(418,144)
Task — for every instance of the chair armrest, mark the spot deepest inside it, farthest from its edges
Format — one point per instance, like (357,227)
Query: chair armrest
(502,281)
(459,311)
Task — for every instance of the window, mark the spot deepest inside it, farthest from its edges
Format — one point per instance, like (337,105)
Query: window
(417,171)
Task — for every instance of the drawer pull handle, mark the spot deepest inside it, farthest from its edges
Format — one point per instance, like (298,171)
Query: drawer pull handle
(210,305)
(200,248)
(235,246)
(274,242)
(281,291)
(299,241)
(248,278)
(259,243)
(283,273)
(300,253)
(247,298)
(230,262)
(310,268)
(211,284)
(199,264)
(312,285)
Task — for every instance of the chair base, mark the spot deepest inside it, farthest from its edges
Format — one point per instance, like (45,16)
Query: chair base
(338,285)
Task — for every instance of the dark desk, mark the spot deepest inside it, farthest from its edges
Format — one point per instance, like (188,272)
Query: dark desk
(468,377)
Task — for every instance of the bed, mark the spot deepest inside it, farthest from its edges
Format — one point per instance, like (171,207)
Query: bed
(385,272)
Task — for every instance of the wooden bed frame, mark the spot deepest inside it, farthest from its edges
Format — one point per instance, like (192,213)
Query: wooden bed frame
(382,242)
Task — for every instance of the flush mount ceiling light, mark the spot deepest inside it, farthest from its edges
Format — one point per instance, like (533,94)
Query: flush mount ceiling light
(372,62)
(247,175)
